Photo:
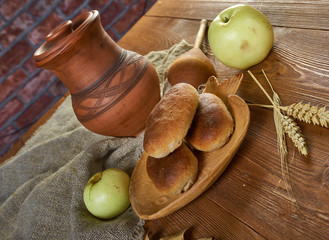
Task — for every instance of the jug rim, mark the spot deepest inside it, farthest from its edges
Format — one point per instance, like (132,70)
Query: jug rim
(63,37)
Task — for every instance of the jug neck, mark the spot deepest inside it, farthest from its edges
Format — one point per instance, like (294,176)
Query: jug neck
(78,51)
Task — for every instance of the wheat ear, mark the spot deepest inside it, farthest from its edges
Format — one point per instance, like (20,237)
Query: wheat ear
(308,113)
(304,112)
(294,132)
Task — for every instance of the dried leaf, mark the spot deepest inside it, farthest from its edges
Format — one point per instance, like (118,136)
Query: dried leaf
(147,236)
(177,236)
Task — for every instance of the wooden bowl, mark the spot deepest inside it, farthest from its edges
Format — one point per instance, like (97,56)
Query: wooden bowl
(150,203)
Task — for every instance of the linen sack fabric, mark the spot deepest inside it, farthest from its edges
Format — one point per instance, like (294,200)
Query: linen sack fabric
(41,188)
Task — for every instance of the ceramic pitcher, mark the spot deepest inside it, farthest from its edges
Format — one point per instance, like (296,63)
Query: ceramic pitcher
(113,90)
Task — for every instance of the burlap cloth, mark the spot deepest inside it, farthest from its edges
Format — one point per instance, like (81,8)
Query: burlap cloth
(41,187)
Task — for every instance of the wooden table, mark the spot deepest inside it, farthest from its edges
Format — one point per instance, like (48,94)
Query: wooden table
(250,200)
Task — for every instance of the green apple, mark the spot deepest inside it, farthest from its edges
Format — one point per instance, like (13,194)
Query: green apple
(106,194)
(240,36)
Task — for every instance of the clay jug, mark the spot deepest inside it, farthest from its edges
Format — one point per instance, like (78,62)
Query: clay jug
(113,90)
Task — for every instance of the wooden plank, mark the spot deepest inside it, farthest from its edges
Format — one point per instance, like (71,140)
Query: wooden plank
(292,14)
(251,189)
(296,66)
(155,34)
(251,192)
(201,218)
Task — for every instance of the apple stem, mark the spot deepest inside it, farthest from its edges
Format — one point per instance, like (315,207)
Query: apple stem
(201,33)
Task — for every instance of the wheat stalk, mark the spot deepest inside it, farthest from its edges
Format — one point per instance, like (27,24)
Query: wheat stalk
(282,126)
(282,145)
(281,138)
(279,127)
(295,136)
(278,122)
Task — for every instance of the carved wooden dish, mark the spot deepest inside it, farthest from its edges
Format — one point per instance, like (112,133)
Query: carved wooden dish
(150,203)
